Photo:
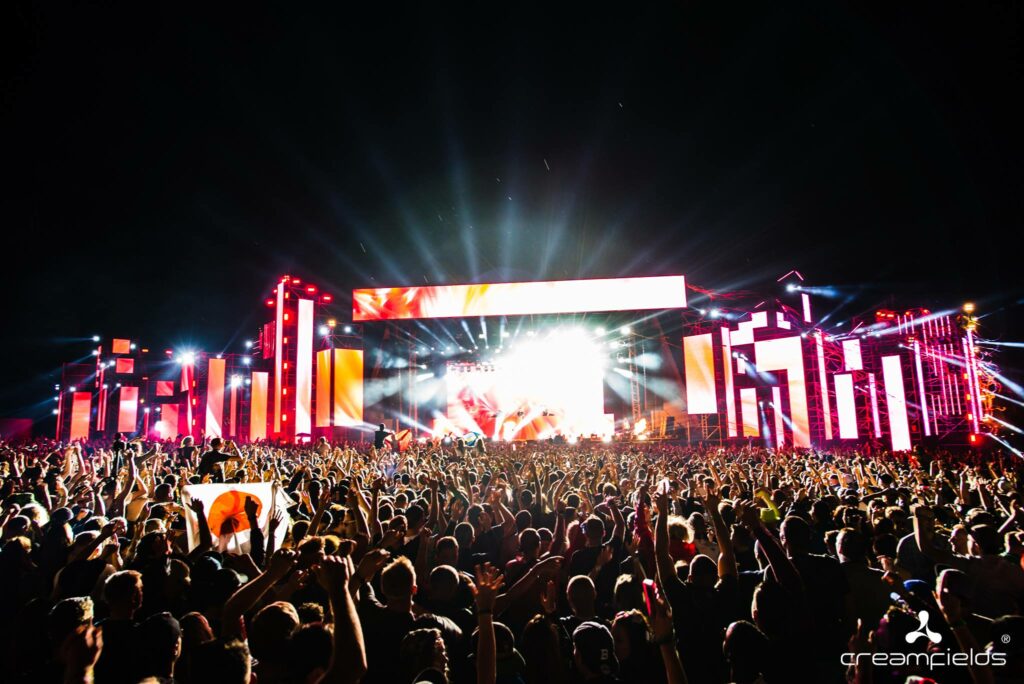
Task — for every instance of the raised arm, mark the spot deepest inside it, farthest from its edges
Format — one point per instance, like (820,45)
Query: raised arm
(348,654)
(243,600)
(782,567)
(662,559)
(485,590)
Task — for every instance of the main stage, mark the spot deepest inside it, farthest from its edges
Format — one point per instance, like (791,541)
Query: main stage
(621,358)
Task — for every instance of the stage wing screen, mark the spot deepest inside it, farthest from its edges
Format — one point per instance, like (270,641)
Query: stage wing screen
(699,362)
(519,299)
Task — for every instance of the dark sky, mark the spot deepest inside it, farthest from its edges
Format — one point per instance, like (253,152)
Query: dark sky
(165,165)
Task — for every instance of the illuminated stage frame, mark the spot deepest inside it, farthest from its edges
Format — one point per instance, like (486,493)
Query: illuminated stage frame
(767,375)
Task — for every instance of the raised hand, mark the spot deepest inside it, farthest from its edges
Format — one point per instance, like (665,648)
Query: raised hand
(661,503)
(372,562)
(489,581)
(197,506)
(748,515)
(334,572)
(250,508)
(282,562)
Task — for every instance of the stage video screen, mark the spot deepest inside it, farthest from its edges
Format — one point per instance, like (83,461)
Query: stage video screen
(551,384)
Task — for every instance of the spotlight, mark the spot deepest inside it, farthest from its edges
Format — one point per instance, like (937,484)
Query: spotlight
(248,344)
(248,381)
(715,313)
(625,330)
(95,352)
(347,329)
(969,307)
(95,338)
(331,323)
(791,287)
(246,360)
(55,412)
(702,311)
(324,330)
(71,389)
(132,346)
(599,332)
(236,381)
(145,410)
(187,358)
(56,387)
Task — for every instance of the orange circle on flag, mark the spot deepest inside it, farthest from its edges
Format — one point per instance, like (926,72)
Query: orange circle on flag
(229,508)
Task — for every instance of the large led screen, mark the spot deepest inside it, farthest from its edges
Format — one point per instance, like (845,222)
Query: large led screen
(548,386)
(519,299)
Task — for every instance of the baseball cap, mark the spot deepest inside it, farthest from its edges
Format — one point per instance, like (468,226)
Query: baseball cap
(596,647)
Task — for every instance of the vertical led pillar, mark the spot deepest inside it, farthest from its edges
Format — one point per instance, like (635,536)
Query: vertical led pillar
(846,405)
(81,406)
(730,399)
(975,386)
(215,398)
(896,400)
(806,299)
(304,368)
(167,426)
(348,387)
(921,397)
(826,408)
(258,407)
(323,388)
(780,429)
(128,410)
(786,354)
(699,365)
(233,420)
(873,391)
(278,356)
(748,412)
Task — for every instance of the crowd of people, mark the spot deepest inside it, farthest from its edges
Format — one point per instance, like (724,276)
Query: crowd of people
(511,563)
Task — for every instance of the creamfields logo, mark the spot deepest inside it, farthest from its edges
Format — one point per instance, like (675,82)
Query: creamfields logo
(922,630)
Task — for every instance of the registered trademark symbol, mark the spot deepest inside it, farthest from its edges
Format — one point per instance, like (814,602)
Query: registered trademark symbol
(1006,638)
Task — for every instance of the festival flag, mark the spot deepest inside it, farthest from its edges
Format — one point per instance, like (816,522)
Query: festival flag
(401,440)
(224,505)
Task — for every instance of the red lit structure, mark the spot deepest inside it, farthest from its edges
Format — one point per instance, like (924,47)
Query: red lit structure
(767,373)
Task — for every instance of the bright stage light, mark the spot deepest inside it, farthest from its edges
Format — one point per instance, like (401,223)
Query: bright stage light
(132,346)
(969,307)
(625,330)
(71,389)
(792,287)
(95,352)
(606,438)
(324,330)
(248,344)
(236,381)
(715,313)
(347,329)
(95,338)
(599,331)
(551,383)
(187,358)
(55,411)
(246,360)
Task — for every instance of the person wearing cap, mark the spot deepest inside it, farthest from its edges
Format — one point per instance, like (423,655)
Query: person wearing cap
(593,653)
(157,647)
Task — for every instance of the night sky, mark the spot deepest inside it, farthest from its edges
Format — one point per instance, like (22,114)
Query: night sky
(166,165)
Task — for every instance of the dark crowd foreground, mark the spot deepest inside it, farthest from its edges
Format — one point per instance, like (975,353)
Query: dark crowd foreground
(553,563)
